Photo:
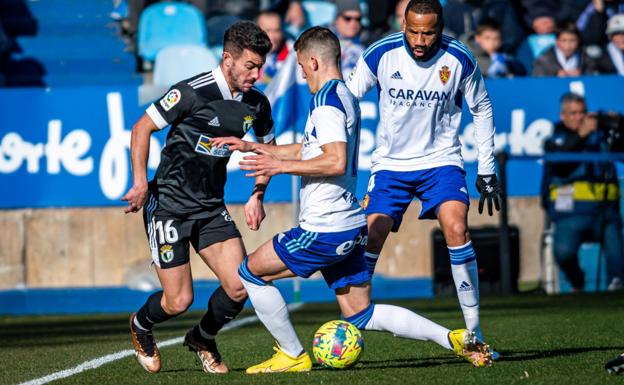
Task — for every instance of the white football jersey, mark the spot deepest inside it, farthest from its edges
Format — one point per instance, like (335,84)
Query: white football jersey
(420,104)
(328,204)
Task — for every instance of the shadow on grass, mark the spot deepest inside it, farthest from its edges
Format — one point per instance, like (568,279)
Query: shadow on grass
(388,364)
(540,354)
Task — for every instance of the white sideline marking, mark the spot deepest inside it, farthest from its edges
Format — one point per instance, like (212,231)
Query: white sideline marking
(96,363)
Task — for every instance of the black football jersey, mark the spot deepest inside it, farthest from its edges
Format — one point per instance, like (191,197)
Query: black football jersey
(191,176)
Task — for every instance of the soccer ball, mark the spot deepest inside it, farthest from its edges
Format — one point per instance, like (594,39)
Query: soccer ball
(337,344)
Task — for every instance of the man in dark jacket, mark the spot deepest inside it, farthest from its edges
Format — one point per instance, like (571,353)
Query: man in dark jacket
(612,59)
(593,20)
(567,57)
(582,198)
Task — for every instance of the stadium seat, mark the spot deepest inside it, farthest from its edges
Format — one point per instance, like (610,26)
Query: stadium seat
(170,23)
(178,62)
(319,12)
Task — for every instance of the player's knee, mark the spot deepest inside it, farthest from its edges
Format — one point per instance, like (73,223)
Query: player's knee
(178,304)
(564,252)
(376,239)
(456,233)
(235,291)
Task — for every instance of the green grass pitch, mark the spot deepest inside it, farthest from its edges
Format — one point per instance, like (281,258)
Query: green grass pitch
(542,340)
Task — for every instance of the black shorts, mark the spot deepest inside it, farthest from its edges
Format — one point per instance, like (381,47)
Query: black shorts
(169,236)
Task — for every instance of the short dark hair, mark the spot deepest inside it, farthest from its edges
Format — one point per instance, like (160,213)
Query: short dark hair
(246,35)
(423,7)
(487,24)
(321,38)
(568,27)
(570,97)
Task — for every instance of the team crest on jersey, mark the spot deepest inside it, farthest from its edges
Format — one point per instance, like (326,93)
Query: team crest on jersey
(204,146)
(445,75)
(171,99)
(247,123)
(166,253)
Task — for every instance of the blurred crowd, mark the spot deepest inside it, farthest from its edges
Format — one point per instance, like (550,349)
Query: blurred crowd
(508,37)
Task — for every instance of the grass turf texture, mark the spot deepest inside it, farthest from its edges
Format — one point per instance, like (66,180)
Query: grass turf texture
(542,340)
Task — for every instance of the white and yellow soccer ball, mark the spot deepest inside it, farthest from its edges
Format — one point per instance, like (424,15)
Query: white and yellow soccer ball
(337,344)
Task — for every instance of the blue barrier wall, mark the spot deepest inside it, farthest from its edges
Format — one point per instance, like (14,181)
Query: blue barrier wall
(69,146)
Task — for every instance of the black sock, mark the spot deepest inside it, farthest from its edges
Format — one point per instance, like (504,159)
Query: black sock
(221,310)
(152,312)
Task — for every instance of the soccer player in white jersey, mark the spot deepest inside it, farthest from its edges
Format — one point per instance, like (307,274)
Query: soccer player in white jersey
(421,76)
(332,232)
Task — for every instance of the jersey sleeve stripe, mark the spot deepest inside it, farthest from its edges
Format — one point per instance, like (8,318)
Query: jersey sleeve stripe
(201,79)
(156,117)
(320,97)
(393,36)
(333,99)
(328,96)
(373,54)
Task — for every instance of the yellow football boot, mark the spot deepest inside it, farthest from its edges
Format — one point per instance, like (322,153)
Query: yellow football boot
(467,346)
(282,362)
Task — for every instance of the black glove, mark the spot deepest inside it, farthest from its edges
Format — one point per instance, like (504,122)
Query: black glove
(488,187)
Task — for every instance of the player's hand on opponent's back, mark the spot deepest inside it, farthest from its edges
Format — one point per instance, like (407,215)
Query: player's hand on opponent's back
(136,197)
(489,188)
(233,143)
(263,164)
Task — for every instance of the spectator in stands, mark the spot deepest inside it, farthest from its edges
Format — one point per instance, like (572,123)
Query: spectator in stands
(612,60)
(542,38)
(486,45)
(582,198)
(271,23)
(221,14)
(461,18)
(347,26)
(560,10)
(398,18)
(294,15)
(376,20)
(593,21)
(567,57)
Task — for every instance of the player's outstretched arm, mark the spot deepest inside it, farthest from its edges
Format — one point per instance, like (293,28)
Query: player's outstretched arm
(139,150)
(332,162)
(254,208)
(283,151)
(480,105)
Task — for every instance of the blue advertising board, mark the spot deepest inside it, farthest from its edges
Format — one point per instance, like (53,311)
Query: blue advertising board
(68,147)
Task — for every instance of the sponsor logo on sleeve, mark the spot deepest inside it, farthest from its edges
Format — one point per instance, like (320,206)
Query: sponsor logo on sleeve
(171,99)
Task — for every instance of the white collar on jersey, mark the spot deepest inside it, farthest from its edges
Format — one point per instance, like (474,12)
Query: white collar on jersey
(223,86)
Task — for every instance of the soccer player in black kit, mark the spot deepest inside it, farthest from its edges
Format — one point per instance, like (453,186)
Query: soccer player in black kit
(184,202)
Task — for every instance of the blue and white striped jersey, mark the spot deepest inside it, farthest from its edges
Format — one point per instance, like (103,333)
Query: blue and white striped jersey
(420,104)
(328,204)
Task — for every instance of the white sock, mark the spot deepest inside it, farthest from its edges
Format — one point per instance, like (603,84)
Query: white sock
(404,323)
(272,312)
(466,278)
